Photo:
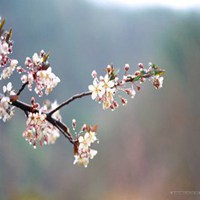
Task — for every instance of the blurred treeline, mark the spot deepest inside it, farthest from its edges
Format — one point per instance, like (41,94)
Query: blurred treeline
(148,148)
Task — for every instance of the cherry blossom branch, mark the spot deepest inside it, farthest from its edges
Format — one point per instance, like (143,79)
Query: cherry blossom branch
(45,122)
(83,94)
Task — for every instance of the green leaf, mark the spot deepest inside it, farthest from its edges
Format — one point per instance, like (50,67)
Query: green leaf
(160,72)
(136,78)
(154,66)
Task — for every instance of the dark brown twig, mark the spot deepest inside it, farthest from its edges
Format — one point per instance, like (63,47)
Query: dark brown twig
(22,88)
(77,96)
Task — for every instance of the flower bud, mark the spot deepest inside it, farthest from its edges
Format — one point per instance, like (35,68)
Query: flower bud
(94,74)
(126,67)
(74,124)
(141,65)
(124,101)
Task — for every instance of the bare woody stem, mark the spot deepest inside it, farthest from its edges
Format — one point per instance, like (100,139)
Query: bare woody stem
(77,96)
(22,88)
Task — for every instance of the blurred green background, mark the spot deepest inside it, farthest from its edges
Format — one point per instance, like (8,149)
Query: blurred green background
(148,148)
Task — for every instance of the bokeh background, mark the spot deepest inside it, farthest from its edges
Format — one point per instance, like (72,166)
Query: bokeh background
(148,148)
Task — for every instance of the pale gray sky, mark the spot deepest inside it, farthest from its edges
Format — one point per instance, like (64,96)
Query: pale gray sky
(176,4)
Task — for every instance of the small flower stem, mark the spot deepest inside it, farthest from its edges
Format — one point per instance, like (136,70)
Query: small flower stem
(22,88)
(77,96)
(147,75)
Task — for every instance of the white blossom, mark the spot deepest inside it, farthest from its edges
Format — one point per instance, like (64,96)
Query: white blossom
(36,59)
(4,47)
(157,81)
(6,111)
(46,79)
(8,71)
(107,83)
(96,89)
(82,158)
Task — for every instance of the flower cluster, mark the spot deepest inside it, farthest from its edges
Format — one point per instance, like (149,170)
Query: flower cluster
(51,131)
(35,127)
(6,44)
(38,129)
(104,89)
(38,70)
(6,109)
(82,151)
